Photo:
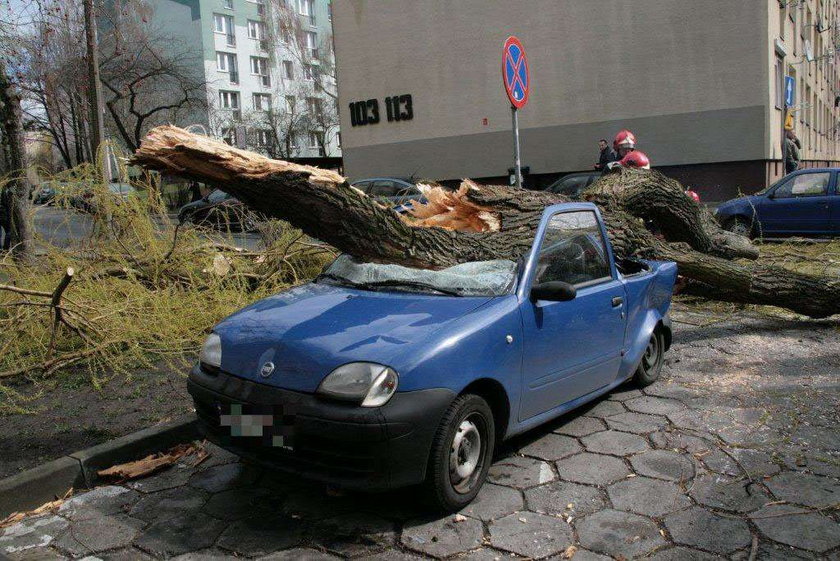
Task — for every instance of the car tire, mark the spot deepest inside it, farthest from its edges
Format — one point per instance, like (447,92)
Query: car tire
(739,225)
(651,364)
(456,470)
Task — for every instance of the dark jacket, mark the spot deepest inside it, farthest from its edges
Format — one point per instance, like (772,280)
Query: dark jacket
(792,158)
(607,156)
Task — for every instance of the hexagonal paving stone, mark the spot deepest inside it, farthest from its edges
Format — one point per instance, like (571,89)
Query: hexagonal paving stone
(211,554)
(313,503)
(644,495)
(770,551)
(98,502)
(581,426)
(654,405)
(619,533)
(679,440)
(125,554)
(758,464)
(805,489)
(531,534)
(516,471)
(671,390)
(815,438)
(682,554)
(354,534)
(38,554)
(688,419)
(636,422)
(494,501)
(443,536)
(595,469)
(555,498)
(727,493)
(302,554)
(182,533)
(805,531)
(585,555)
(744,436)
(552,447)
(93,535)
(486,554)
(261,535)
(604,409)
(664,464)
(625,393)
(614,443)
(701,528)
(30,533)
(223,477)
(820,465)
(239,503)
(169,503)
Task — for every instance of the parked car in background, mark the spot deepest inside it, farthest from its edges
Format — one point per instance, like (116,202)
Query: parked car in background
(117,192)
(572,185)
(393,190)
(377,376)
(219,210)
(805,202)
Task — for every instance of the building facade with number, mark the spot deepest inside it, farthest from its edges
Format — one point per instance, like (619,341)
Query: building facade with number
(269,71)
(700,83)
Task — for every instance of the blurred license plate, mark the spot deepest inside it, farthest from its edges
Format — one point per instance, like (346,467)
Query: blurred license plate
(270,425)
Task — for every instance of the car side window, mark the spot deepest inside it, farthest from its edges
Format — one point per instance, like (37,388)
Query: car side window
(573,250)
(363,186)
(804,185)
(572,187)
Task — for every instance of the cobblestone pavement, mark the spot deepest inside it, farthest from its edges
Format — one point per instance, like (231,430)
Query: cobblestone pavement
(732,455)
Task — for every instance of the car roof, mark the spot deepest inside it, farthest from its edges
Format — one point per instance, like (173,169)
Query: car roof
(816,169)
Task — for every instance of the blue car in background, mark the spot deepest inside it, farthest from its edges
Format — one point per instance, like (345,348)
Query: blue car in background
(805,202)
(380,376)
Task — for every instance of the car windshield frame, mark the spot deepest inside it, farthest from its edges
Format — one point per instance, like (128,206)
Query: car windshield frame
(463,280)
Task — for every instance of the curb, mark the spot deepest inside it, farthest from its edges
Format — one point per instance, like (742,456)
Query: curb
(31,488)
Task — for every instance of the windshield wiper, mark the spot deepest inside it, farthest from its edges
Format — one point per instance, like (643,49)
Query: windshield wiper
(338,278)
(412,284)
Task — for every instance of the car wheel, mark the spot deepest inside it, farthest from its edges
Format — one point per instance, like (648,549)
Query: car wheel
(740,226)
(461,454)
(651,364)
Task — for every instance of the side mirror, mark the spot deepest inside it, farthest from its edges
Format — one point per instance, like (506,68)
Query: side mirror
(554,291)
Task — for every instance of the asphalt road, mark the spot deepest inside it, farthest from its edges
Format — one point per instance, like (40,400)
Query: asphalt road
(68,228)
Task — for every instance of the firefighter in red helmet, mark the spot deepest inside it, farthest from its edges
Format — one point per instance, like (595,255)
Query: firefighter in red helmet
(624,143)
(635,159)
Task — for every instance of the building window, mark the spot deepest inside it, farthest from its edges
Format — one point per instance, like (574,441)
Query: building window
(228,100)
(338,139)
(313,105)
(263,138)
(290,103)
(313,140)
(259,67)
(224,25)
(311,43)
(780,83)
(226,62)
(308,72)
(288,70)
(262,102)
(256,30)
(229,135)
(228,4)
(306,8)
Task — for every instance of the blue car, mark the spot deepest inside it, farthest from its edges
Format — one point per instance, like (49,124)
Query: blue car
(805,202)
(379,376)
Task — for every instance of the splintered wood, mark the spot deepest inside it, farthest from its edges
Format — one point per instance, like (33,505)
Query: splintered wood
(154,462)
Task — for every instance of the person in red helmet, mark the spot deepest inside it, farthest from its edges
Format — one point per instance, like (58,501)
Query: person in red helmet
(624,143)
(635,159)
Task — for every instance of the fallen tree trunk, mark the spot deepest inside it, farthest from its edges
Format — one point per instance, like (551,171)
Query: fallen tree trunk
(480,222)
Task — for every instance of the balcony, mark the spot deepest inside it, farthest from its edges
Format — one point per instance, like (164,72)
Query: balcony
(231,39)
(234,76)
(265,80)
(263,44)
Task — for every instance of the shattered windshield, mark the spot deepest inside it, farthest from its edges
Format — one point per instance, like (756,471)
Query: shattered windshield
(478,278)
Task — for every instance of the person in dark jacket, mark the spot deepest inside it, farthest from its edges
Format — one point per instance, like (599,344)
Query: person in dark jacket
(606,156)
(792,155)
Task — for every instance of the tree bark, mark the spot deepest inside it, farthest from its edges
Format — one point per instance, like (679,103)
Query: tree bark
(481,222)
(15,196)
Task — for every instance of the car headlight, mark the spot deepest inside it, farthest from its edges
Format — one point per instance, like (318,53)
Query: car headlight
(368,383)
(211,352)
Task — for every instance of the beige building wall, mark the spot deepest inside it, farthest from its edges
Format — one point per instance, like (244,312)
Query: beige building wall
(694,79)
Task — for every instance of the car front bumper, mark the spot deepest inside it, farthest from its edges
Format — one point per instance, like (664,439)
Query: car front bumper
(342,444)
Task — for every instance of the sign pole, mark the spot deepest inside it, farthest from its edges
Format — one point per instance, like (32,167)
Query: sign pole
(517,162)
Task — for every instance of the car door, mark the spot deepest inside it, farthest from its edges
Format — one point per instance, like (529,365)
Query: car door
(571,348)
(798,205)
(834,206)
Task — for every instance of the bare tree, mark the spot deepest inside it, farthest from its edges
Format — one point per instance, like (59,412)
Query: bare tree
(150,77)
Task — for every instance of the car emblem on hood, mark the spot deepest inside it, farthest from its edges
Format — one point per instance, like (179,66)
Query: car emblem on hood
(267,369)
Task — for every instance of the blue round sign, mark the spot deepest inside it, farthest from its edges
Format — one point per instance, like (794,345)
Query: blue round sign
(515,73)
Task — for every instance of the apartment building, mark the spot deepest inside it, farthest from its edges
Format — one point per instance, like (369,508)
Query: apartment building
(269,71)
(697,81)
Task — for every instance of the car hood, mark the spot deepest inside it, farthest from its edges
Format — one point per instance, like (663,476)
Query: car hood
(310,330)
(746,201)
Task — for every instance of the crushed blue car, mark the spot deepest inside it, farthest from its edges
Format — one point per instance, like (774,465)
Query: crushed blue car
(377,376)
